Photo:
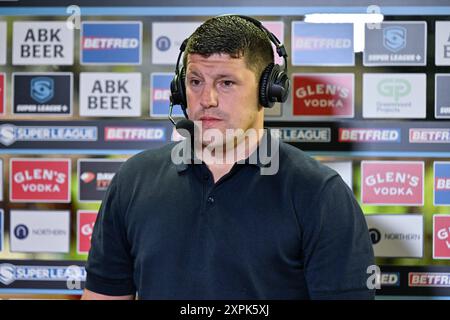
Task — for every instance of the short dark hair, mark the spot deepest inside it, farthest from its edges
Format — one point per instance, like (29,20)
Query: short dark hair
(234,36)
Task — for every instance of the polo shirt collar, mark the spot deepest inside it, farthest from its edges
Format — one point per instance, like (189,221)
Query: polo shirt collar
(266,143)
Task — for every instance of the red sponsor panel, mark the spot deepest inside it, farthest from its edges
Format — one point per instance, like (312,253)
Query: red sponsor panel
(324,95)
(85,226)
(40,180)
(392,182)
(441,236)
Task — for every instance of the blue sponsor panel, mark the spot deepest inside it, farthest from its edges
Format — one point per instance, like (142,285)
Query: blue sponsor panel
(317,44)
(111,42)
(160,96)
(442,183)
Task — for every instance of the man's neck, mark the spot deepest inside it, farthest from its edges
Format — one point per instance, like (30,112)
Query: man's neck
(221,159)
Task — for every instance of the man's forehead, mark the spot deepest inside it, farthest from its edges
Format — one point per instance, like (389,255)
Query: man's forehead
(214,58)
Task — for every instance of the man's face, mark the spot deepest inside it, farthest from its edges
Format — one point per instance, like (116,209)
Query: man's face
(222,93)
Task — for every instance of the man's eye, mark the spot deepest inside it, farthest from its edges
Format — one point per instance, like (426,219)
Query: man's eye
(194,82)
(228,83)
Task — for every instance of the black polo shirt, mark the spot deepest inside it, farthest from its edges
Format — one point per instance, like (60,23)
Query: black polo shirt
(167,231)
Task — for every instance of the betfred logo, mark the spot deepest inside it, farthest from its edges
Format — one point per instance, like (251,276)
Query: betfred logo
(160,96)
(324,95)
(392,182)
(107,42)
(429,135)
(2,92)
(40,180)
(85,227)
(441,236)
(389,279)
(441,183)
(369,135)
(428,279)
(134,134)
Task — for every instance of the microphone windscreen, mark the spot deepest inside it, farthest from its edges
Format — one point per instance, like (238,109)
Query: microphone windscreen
(185,128)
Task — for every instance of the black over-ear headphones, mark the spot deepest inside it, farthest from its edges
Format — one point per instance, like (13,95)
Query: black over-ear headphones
(273,85)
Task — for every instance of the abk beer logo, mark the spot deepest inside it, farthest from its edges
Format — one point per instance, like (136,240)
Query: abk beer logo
(39,180)
(428,279)
(107,42)
(442,36)
(3,38)
(395,235)
(396,44)
(2,229)
(441,183)
(167,38)
(42,43)
(42,93)
(442,95)
(327,44)
(441,236)
(394,95)
(369,135)
(160,96)
(94,177)
(40,231)
(392,182)
(324,95)
(85,227)
(110,94)
(429,135)
(2,93)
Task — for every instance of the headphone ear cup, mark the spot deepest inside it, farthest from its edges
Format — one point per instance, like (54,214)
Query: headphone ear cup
(178,89)
(264,85)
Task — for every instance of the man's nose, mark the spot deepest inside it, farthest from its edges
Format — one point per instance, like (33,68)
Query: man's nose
(209,97)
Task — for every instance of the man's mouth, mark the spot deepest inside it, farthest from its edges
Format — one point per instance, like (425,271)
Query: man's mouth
(208,120)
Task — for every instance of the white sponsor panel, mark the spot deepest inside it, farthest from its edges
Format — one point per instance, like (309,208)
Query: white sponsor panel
(110,94)
(344,168)
(442,50)
(396,235)
(40,231)
(41,43)
(167,38)
(394,95)
(3,40)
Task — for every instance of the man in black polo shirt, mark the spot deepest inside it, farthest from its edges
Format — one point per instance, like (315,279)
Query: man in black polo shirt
(286,228)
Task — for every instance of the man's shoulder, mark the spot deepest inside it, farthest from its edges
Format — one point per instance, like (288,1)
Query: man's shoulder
(303,168)
(150,159)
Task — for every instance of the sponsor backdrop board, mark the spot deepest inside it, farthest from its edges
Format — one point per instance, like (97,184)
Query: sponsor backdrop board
(98,96)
